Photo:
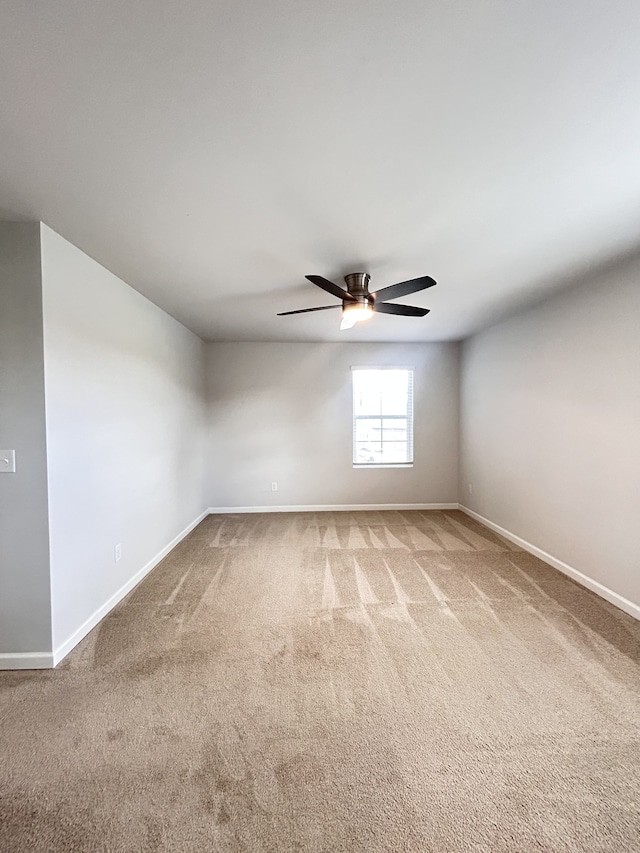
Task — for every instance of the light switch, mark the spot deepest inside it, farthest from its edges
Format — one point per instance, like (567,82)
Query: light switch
(7,462)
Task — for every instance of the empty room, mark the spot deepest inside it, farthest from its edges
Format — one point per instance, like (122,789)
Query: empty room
(319,426)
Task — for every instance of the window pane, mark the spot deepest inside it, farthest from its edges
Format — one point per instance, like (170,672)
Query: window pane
(393,386)
(369,429)
(394,435)
(394,429)
(394,452)
(367,398)
(368,453)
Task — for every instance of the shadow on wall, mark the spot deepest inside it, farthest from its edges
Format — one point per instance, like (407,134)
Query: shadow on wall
(576,278)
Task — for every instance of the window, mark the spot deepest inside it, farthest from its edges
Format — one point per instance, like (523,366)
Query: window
(382,416)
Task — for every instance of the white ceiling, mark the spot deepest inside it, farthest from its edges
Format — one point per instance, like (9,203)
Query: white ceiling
(213,153)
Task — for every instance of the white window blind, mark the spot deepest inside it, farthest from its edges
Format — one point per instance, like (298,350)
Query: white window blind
(382,416)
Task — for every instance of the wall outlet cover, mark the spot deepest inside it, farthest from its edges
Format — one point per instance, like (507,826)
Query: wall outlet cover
(7,462)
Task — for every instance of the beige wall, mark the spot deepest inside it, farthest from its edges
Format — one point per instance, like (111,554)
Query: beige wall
(25,606)
(282,412)
(550,437)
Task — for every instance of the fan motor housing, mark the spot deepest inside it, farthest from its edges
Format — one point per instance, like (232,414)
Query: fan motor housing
(358,285)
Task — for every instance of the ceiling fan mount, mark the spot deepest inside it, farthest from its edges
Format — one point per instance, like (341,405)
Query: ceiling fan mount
(359,304)
(358,283)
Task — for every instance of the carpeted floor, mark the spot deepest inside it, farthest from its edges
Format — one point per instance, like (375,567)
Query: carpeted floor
(325,682)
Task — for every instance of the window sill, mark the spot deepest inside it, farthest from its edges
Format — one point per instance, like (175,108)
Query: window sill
(383,465)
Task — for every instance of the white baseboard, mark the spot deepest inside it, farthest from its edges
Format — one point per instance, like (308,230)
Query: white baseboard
(584,580)
(63,650)
(226,510)
(26,660)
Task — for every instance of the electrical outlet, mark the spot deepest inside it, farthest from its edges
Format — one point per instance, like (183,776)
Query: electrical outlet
(470,488)
(117,552)
(274,487)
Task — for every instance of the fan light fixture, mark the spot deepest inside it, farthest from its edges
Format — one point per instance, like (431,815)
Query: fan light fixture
(356,313)
(359,304)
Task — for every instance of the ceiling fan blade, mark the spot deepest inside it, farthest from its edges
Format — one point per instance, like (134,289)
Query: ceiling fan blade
(404,288)
(304,310)
(329,286)
(404,310)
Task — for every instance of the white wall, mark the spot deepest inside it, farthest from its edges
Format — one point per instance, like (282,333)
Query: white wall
(125,416)
(283,412)
(25,618)
(550,434)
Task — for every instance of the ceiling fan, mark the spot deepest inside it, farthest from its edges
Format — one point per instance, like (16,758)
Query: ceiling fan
(358,304)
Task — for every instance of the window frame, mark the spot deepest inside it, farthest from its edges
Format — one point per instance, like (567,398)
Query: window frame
(409,417)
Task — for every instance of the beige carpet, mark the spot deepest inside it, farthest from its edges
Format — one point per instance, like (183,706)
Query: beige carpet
(397,681)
